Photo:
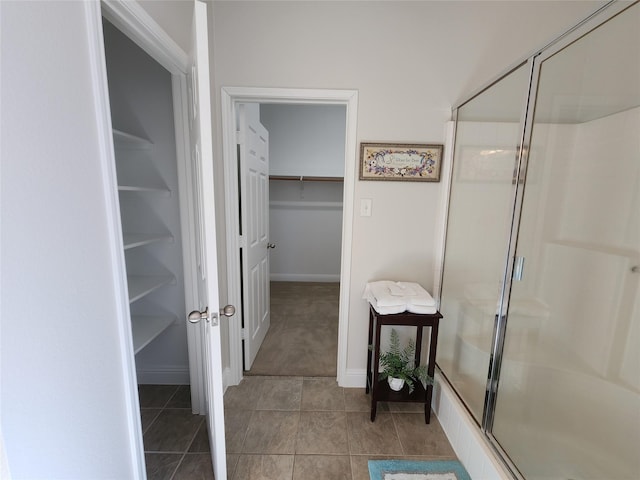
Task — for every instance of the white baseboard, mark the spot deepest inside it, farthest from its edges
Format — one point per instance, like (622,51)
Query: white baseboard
(465,436)
(354,378)
(226,378)
(305,277)
(164,375)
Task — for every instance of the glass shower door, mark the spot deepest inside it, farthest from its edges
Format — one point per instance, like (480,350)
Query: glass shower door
(479,223)
(568,403)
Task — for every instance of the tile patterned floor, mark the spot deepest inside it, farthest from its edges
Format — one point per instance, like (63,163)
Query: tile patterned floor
(303,337)
(285,428)
(175,441)
(288,427)
(307,427)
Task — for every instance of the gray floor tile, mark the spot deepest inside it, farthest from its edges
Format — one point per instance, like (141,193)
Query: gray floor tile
(181,398)
(161,466)
(195,466)
(148,416)
(418,438)
(305,335)
(272,432)
(200,443)
(322,394)
(356,400)
(244,396)
(232,461)
(403,407)
(173,431)
(236,423)
(322,467)
(322,433)
(373,438)
(264,467)
(155,396)
(281,393)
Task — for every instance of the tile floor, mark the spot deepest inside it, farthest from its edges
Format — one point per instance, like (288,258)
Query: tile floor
(175,441)
(303,337)
(285,428)
(308,427)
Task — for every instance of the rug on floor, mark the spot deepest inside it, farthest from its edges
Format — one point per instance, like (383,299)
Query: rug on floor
(417,470)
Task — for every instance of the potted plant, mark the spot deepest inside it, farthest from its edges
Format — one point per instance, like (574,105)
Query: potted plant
(398,365)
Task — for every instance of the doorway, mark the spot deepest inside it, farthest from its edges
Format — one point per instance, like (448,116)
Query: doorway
(291,268)
(231,99)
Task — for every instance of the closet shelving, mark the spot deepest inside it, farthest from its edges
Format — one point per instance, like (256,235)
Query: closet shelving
(138,180)
(305,178)
(132,240)
(131,178)
(142,285)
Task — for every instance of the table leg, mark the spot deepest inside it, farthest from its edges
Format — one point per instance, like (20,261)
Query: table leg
(431,367)
(376,363)
(369,385)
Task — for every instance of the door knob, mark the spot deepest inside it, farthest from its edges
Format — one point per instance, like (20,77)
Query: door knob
(271,245)
(197,315)
(228,311)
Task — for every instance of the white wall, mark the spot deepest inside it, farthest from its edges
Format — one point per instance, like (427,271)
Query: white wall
(305,139)
(410,62)
(174,16)
(305,224)
(64,371)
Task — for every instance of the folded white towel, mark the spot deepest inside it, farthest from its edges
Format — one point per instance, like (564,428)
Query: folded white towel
(400,289)
(421,296)
(384,296)
(421,309)
(382,293)
(388,310)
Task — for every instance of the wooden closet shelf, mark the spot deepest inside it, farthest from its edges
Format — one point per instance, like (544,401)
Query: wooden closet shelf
(304,178)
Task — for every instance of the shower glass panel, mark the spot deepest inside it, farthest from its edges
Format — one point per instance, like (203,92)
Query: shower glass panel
(568,403)
(479,223)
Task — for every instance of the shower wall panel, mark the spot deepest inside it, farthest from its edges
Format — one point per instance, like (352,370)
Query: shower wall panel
(562,400)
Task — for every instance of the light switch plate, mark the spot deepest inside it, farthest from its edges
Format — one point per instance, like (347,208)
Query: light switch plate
(365,207)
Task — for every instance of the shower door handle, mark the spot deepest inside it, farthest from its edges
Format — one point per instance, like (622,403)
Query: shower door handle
(518,269)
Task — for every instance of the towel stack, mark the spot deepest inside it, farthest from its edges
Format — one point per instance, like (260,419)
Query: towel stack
(389,297)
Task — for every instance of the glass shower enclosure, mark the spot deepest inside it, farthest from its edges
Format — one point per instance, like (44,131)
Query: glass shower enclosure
(540,289)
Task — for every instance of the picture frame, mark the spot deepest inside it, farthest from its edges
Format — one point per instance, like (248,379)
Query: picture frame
(407,162)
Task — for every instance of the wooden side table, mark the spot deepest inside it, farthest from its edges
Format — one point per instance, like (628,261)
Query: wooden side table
(380,390)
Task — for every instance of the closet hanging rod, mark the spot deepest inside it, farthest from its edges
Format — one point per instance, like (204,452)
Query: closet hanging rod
(303,178)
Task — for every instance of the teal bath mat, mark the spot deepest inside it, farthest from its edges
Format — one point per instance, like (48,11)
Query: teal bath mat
(410,470)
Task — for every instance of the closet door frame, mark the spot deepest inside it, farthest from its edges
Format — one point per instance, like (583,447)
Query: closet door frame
(230,98)
(131,19)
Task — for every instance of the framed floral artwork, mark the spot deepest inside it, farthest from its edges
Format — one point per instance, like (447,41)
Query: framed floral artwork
(400,162)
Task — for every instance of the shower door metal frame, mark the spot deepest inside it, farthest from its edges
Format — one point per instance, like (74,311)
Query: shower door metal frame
(534,61)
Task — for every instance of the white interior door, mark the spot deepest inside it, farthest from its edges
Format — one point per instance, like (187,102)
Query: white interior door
(254,184)
(206,248)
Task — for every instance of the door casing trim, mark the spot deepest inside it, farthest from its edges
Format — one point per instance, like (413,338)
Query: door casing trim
(142,29)
(230,98)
